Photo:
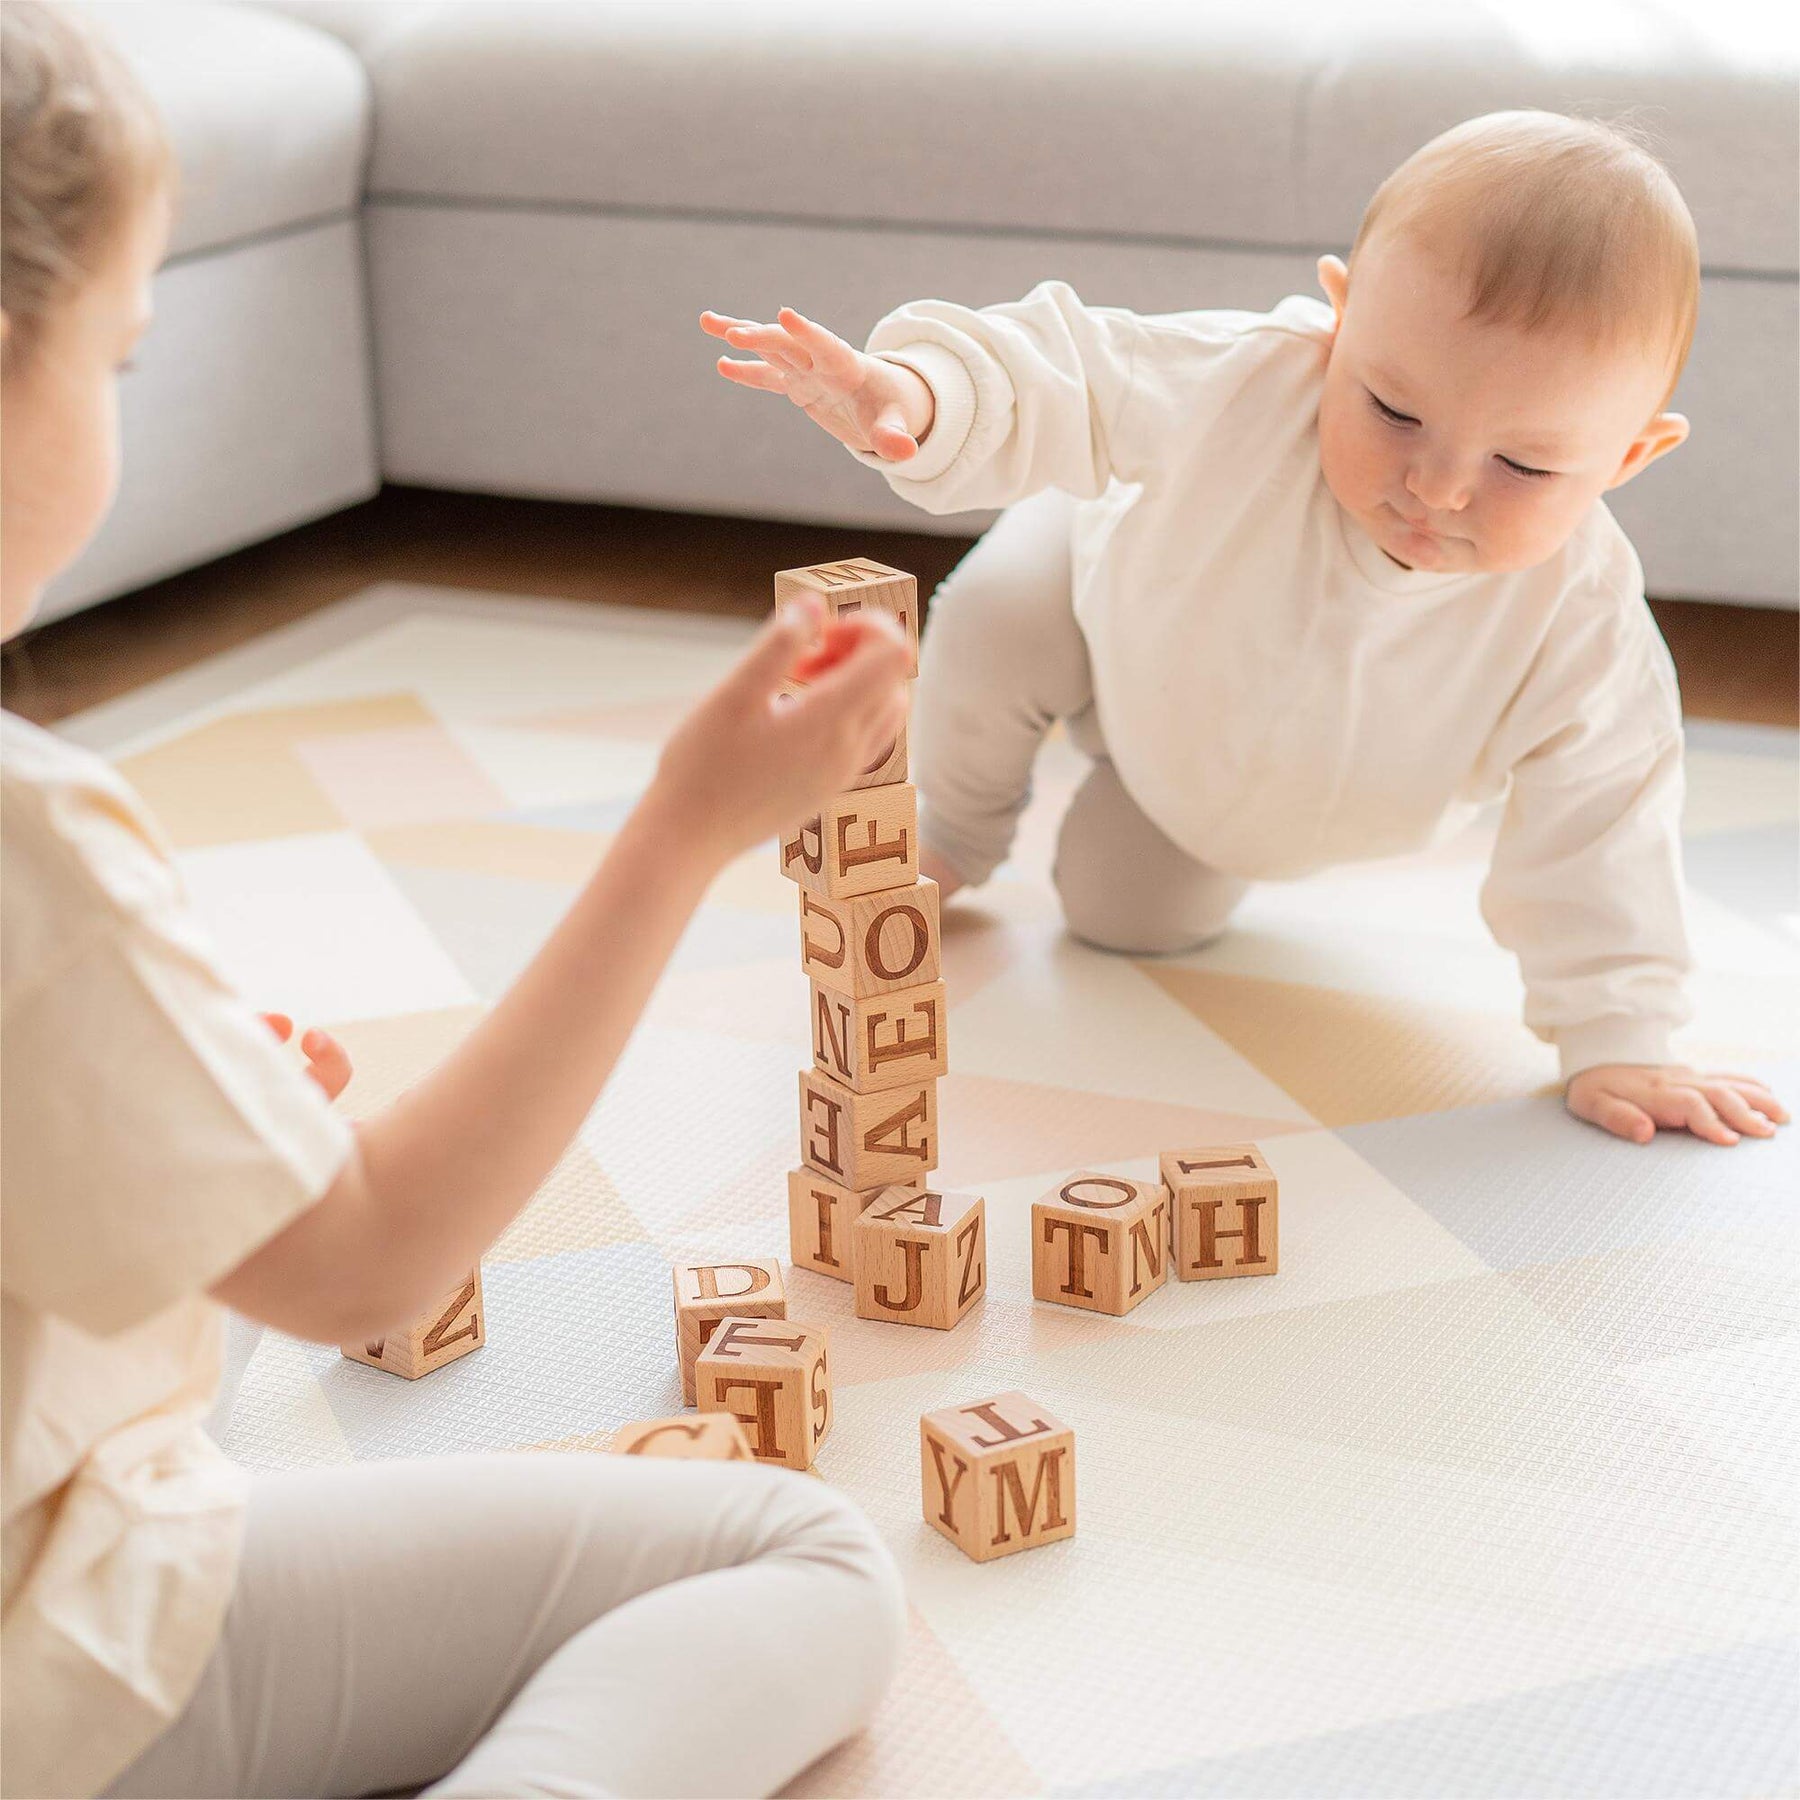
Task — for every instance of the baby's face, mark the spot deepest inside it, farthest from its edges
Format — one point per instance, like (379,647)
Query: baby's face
(1464,446)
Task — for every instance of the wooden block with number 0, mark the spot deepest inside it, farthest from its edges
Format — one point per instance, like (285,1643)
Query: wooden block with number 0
(688,1437)
(705,1293)
(864,1141)
(773,1377)
(872,943)
(820,1215)
(1100,1242)
(863,841)
(453,1327)
(920,1257)
(855,583)
(1225,1209)
(997,1476)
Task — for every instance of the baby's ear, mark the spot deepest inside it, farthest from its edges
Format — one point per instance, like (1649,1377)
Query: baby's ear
(1664,433)
(1334,278)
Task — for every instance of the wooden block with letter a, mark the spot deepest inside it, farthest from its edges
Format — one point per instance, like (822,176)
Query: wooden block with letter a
(772,1376)
(873,943)
(456,1325)
(860,582)
(706,1437)
(820,1215)
(891,1040)
(1225,1207)
(706,1292)
(997,1476)
(921,1257)
(864,840)
(887,768)
(864,1141)
(1100,1242)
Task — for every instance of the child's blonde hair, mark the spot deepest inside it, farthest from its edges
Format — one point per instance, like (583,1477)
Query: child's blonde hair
(81,144)
(1553,222)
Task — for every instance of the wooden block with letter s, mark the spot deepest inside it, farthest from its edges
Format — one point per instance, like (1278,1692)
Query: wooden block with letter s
(456,1325)
(773,1377)
(688,1437)
(864,1141)
(920,1257)
(864,841)
(997,1476)
(1100,1242)
(705,1293)
(1225,1210)
(856,583)
(873,943)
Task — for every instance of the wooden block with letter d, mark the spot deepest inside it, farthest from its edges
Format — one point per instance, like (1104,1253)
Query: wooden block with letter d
(890,1040)
(864,1141)
(456,1325)
(1100,1242)
(873,943)
(1225,1206)
(707,1437)
(997,1476)
(706,1292)
(820,1215)
(921,1257)
(855,583)
(772,1376)
(864,840)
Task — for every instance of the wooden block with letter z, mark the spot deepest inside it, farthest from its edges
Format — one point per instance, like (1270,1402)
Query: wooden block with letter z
(855,583)
(891,1040)
(707,1437)
(1100,1242)
(706,1292)
(921,1257)
(1225,1201)
(772,1376)
(998,1476)
(874,943)
(865,1141)
(820,1215)
(863,841)
(456,1325)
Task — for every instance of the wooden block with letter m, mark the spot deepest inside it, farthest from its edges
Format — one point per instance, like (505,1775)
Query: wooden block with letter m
(859,582)
(997,1476)
(456,1325)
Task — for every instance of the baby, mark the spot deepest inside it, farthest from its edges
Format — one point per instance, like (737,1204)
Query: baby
(1314,585)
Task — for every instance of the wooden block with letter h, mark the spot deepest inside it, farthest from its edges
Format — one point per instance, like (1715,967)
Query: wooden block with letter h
(854,584)
(705,1293)
(771,1375)
(873,943)
(1225,1211)
(456,1325)
(1100,1242)
(820,1215)
(921,1257)
(864,841)
(997,1476)
(707,1437)
(865,1141)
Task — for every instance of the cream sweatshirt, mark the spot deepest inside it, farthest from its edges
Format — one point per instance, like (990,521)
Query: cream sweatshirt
(1277,695)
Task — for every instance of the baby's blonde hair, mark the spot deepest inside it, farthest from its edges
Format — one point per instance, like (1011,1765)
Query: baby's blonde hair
(1553,222)
(81,145)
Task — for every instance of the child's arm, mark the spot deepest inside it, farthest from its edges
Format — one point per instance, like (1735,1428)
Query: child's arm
(436,1176)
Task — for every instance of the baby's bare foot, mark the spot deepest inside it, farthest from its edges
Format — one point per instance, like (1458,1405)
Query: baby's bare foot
(934,868)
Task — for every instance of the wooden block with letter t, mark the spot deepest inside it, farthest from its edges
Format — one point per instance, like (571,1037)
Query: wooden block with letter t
(997,1476)
(921,1257)
(456,1325)
(890,1040)
(1100,1242)
(864,841)
(706,1292)
(1225,1206)
(873,943)
(865,1141)
(710,1437)
(820,1215)
(772,1376)
(855,583)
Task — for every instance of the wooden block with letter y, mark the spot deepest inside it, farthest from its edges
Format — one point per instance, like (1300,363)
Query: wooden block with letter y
(890,1040)
(864,1141)
(864,841)
(921,1257)
(873,943)
(706,1292)
(859,582)
(706,1437)
(773,1377)
(456,1325)
(1100,1242)
(997,1476)
(1225,1202)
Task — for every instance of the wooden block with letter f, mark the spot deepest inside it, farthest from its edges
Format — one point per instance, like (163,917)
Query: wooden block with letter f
(1225,1211)
(997,1476)
(854,584)
(705,1293)
(771,1375)
(456,1325)
(1100,1242)
(921,1257)
(864,841)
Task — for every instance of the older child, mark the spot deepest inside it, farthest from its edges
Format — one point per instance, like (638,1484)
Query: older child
(490,1624)
(1313,585)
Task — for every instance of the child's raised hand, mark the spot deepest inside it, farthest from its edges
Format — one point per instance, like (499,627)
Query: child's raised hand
(327,1061)
(877,407)
(1634,1100)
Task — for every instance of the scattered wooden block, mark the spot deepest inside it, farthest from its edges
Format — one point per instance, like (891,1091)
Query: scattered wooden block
(998,1476)
(920,1257)
(706,1437)
(1225,1211)
(820,1215)
(863,841)
(772,1376)
(874,943)
(849,586)
(888,768)
(865,1141)
(705,1293)
(1100,1242)
(456,1325)
(890,1040)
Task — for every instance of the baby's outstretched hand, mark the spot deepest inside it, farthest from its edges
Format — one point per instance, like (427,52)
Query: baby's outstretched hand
(1634,1100)
(327,1061)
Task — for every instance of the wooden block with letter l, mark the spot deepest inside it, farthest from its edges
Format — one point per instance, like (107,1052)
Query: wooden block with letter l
(891,1040)
(1225,1207)
(706,1437)
(921,1257)
(456,1325)
(873,943)
(820,1215)
(864,1141)
(706,1292)
(864,841)
(889,767)
(1100,1242)
(855,583)
(997,1476)
(772,1376)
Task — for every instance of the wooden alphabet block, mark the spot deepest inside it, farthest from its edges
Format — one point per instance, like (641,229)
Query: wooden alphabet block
(857,582)
(820,1215)
(865,1141)
(1100,1242)
(920,1257)
(998,1476)
(772,1376)
(863,841)
(887,768)
(890,1040)
(708,1437)
(705,1293)
(456,1325)
(1225,1211)
(874,943)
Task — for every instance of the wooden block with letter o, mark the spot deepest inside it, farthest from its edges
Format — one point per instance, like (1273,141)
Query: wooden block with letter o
(855,583)
(998,1476)
(921,1257)
(865,1141)
(891,1040)
(874,943)
(706,1292)
(706,1437)
(772,1376)
(456,1325)
(1100,1242)
(864,840)
(1225,1204)
(820,1215)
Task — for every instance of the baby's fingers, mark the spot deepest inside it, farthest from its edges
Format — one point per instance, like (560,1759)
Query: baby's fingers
(771,343)
(830,354)
(1614,1113)
(719,324)
(1687,1106)
(327,1062)
(765,376)
(1735,1110)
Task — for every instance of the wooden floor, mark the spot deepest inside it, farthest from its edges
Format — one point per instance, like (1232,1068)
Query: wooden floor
(1735,662)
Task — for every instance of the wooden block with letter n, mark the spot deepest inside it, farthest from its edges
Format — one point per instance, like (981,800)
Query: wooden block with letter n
(921,1257)
(1225,1208)
(864,841)
(855,583)
(864,1141)
(708,1437)
(706,1292)
(890,1040)
(874,943)
(820,1215)
(888,768)
(998,1476)
(1100,1242)
(456,1325)
(772,1376)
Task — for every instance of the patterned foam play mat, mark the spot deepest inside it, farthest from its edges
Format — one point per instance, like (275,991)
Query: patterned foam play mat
(1488,1492)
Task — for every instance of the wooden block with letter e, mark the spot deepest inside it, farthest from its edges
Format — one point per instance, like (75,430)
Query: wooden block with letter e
(998,1476)
(874,943)
(820,1214)
(772,1376)
(1225,1207)
(864,841)
(865,1141)
(456,1325)
(855,583)
(890,1040)
(706,1292)
(1100,1242)
(921,1257)
(707,1437)
(888,768)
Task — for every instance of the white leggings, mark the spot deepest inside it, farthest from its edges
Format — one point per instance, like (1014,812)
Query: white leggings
(536,1624)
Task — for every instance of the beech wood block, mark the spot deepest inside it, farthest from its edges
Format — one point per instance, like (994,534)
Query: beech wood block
(998,1476)
(865,1141)
(705,1293)
(864,841)
(703,1437)
(820,1215)
(888,768)
(1225,1211)
(920,1257)
(858,581)
(456,1325)
(890,1040)
(772,1376)
(1100,1242)
(874,943)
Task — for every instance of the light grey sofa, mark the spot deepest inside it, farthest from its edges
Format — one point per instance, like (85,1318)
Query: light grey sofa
(553,190)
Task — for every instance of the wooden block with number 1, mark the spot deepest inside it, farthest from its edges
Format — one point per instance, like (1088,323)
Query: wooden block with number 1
(864,841)
(1225,1208)
(997,1476)
(456,1325)
(772,1376)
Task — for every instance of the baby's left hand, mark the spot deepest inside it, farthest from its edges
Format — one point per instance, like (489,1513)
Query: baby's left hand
(1632,1099)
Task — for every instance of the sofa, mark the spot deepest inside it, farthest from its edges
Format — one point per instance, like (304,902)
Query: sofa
(463,245)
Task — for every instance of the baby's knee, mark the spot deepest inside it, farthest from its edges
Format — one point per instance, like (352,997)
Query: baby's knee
(1131,924)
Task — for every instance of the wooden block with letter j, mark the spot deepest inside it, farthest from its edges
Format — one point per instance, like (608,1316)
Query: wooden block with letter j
(864,841)
(1225,1211)
(997,1476)
(705,1293)
(772,1376)
(1100,1242)
(456,1325)
(854,584)
(920,1257)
